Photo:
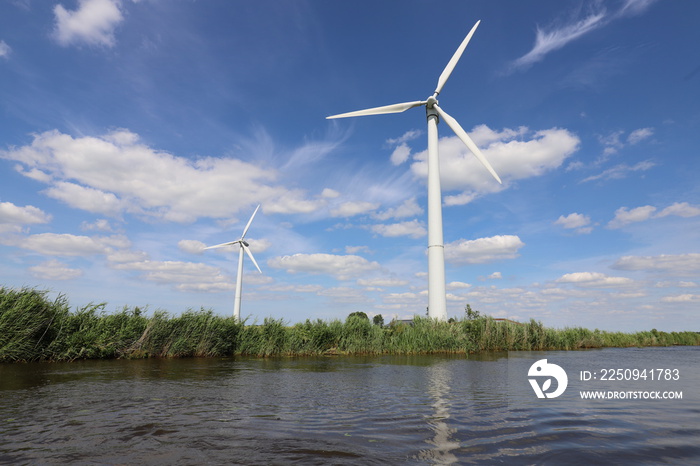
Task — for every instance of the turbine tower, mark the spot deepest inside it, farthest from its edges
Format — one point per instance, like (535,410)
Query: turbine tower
(239,278)
(437,304)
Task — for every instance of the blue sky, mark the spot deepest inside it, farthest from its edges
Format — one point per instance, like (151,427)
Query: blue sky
(135,133)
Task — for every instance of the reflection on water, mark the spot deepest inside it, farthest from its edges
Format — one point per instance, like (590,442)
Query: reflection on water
(342,410)
(438,377)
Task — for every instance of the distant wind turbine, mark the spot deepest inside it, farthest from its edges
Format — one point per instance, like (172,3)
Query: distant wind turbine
(437,304)
(239,278)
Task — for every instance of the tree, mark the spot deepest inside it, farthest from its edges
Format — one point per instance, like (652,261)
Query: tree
(471,314)
(378,320)
(358,314)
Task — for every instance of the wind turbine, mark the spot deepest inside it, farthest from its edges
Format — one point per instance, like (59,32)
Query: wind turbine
(437,305)
(239,278)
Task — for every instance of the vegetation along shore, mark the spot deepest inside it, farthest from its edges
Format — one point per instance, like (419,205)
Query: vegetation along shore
(35,328)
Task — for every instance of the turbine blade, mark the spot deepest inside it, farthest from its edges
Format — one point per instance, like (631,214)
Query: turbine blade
(230,243)
(250,254)
(245,230)
(395,108)
(461,134)
(453,61)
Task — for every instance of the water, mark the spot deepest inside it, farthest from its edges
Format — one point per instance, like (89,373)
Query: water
(347,410)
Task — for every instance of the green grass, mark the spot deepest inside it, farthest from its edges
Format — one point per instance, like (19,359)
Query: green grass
(33,328)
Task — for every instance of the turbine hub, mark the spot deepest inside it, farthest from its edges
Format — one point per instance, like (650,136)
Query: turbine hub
(432,100)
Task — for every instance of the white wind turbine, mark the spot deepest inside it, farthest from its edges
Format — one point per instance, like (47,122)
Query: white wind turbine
(239,278)
(437,305)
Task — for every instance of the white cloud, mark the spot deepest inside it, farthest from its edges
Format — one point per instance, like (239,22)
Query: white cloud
(593,279)
(460,199)
(344,294)
(639,135)
(381,282)
(576,221)
(183,276)
(13,217)
(191,246)
(414,229)
(681,209)
(683,298)
(408,209)
(624,216)
(114,174)
(457,285)
(356,249)
(679,284)
(329,193)
(88,199)
(400,298)
(679,264)
(54,270)
(291,202)
(621,171)
(483,250)
(495,276)
(258,245)
(341,267)
(125,256)
(296,288)
(482,135)
(4,49)
(93,23)
(512,158)
(352,208)
(52,244)
(400,154)
(97,225)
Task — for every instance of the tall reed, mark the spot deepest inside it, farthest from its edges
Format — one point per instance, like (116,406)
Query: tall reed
(33,327)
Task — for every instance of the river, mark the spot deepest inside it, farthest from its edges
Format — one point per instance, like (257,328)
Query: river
(356,410)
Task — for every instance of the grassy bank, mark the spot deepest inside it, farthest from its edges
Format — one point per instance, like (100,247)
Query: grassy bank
(33,327)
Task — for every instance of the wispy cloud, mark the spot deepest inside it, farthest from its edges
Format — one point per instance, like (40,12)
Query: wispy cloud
(407,136)
(4,49)
(613,142)
(548,40)
(621,171)
(560,34)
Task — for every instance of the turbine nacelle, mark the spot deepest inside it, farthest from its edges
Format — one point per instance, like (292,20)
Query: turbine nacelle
(432,101)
